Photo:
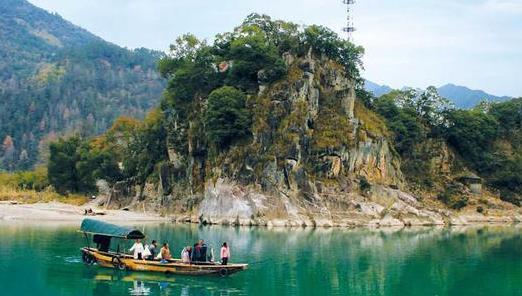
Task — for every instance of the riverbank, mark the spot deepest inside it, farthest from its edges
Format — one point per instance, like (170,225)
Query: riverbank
(56,211)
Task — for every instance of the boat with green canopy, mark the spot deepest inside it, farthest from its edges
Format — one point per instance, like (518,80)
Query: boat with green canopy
(103,255)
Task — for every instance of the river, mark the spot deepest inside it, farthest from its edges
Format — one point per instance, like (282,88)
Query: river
(44,259)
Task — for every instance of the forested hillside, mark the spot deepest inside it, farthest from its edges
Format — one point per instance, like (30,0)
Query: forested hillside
(58,79)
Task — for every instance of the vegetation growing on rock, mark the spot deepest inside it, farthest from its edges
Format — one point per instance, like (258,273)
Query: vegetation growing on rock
(274,116)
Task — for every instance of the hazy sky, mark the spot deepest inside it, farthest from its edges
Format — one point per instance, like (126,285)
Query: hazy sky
(476,43)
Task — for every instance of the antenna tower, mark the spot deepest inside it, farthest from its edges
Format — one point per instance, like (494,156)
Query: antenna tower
(349,29)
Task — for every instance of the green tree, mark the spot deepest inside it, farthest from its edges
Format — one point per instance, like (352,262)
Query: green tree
(227,119)
(403,122)
(146,148)
(62,164)
(472,133)
(324,41)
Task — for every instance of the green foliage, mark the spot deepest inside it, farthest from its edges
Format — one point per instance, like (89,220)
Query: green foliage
(324,41)
(243,59)
(334,128)
(26,180)
(364,185)
(94,164)
(62,164)
(472,133)
(74,166)
(428,106)
(227,119)
(453,198)
(402,121)
(147,147)
(190,69)
(488,138)
(58,79)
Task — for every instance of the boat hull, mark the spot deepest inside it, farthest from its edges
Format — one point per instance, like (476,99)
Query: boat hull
(175,266)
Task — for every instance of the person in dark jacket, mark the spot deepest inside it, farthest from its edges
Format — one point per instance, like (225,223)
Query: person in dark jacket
(202,251)
(153,249)
(196,252)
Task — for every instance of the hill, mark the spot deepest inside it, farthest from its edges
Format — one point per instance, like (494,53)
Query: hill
(463,97)
(57,78)
(376,89)
(466,98)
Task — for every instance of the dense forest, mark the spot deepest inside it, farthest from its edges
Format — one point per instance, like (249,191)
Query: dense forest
(223,80)
(57,79)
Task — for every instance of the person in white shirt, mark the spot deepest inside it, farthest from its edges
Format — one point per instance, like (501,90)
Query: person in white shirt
(138,249)
(185,254)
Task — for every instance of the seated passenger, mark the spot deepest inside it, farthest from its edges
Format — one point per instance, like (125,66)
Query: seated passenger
(165,253)
(153,249)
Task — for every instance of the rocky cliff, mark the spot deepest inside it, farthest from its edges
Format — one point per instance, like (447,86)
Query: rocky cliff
(317,157)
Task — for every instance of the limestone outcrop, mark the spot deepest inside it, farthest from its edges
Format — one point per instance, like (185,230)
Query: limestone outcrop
(317,157)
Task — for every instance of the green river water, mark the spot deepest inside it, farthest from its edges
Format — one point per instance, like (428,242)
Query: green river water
(44,259)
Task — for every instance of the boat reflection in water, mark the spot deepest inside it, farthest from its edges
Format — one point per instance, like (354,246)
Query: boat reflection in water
(139,289)
(108,282)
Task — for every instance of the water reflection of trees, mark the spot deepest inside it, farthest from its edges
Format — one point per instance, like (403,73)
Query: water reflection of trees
(362,261)
(291,261)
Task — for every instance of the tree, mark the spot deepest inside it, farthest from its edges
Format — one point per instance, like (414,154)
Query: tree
(429,106)
(94,164)
(472,134)
(146,148)
(227,119)
(62,164)
(403,122)
(324,41)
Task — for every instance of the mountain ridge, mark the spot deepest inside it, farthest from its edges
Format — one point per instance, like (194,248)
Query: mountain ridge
(462,96)
(57,78)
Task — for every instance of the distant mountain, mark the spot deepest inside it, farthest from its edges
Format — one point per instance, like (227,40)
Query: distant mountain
(461,96)
(466,98)
(377,89)
(57,78)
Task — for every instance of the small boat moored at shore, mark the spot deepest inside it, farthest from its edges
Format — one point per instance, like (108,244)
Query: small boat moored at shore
(103,232)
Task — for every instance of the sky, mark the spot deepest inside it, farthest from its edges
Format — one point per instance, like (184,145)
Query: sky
(416,43)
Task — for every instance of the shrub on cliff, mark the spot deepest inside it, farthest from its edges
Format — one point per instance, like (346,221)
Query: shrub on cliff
(324,41)
(453,197)
(227,119)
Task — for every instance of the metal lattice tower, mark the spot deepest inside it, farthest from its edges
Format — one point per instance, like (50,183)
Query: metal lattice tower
(349,29)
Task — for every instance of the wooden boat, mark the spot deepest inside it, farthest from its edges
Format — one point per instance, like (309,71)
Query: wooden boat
(102,234)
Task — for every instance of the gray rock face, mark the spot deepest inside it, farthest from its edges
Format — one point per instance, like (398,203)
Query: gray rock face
(312,161)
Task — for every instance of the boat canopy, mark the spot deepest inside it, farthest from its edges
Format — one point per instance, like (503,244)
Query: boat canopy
(106,229)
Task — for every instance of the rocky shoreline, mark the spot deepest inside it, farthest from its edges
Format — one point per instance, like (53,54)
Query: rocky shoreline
(462,220)
(56,212)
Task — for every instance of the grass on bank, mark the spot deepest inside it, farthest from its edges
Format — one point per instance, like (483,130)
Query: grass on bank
(33,187)
(30,196)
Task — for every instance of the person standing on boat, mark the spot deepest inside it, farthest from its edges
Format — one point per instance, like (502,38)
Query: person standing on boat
(153,249)
(202,251)
(196,252)
(185,254)
(225,254)
(138,249)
